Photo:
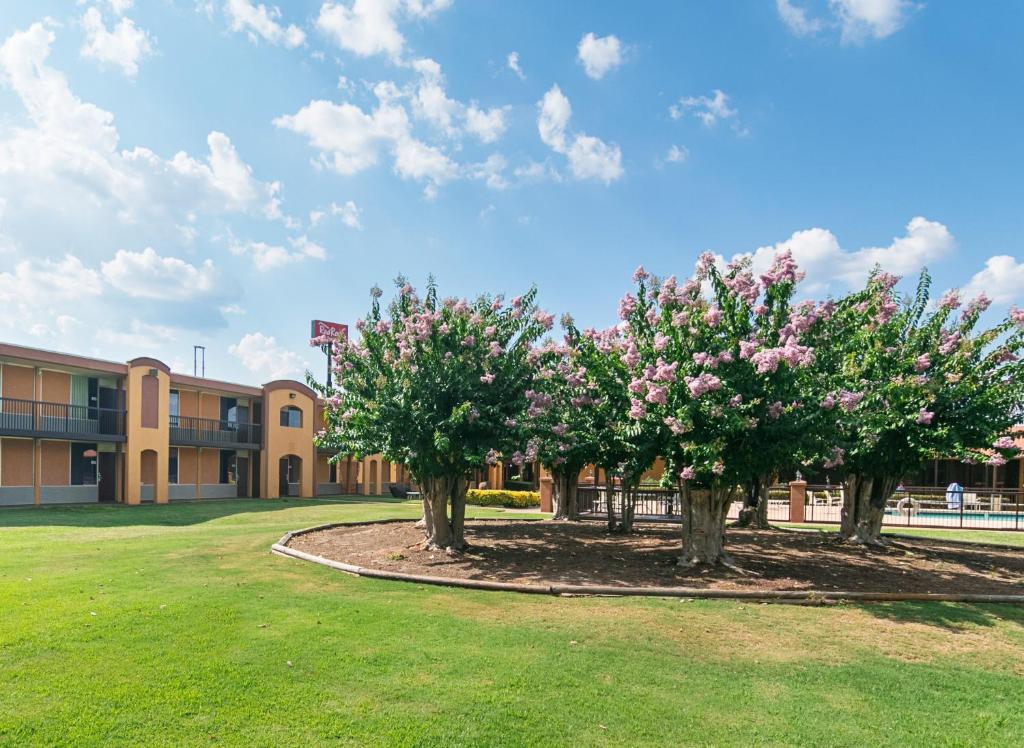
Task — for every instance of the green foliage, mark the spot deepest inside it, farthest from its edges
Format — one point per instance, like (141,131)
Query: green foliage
(487,497)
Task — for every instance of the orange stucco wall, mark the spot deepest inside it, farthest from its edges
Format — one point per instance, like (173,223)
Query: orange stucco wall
(148,467)
(55,386)
(15,462)
(17,382)
(141,439)
(55,468)
(281,441)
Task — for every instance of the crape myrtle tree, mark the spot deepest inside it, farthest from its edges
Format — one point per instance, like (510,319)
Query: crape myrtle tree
(437,386)
(705,383)
(559,425)
(908,382)
(621,448)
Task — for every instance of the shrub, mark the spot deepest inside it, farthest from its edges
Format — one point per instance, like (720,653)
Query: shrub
(482,497)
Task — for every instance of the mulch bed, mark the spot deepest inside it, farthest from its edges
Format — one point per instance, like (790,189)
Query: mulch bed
(547,552)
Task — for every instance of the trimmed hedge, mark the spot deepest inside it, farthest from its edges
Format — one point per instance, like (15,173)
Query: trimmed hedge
(517,499)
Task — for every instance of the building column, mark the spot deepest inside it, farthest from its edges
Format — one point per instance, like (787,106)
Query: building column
(37,472)
(199,471)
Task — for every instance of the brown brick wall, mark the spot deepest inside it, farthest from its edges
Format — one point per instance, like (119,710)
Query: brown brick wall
(55,387)
(15,462)
(17,382)
(55,463)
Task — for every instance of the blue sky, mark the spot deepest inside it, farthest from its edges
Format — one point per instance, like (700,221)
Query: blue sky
(176,172)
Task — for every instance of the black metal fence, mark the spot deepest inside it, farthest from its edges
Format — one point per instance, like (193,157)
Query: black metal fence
(662,505)
(39,418)
(210,431)
(925,506)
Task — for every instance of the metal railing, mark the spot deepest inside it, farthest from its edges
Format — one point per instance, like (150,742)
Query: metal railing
(40,418)
(662,505)
(928,506)
(210,431)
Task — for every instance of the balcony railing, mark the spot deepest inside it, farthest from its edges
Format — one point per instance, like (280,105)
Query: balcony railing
(43,419)
(211,432)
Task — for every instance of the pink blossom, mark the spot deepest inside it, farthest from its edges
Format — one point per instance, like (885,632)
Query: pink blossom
(680,319)
(492,457)
(925,417)
(718,468)
(850,400)
(510,423)
(829,402)
(996,460)
(1017,316)
(627,305)
(703,384)
(1004,442)
(496,304)
(687,473)
(637,410)
(675,425)
(560,429)
(713,316)
(469,341)
(981,302)
(487,378)
(517,301)
(950,300)
(665,372)
(735,401)
(632,356)
(640,274)
(922,363)
(775,410)
(747,349)
(495,349)
(545,319)
(657,395)
(661,341)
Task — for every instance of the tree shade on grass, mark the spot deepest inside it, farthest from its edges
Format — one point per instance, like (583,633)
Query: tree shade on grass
(200,635)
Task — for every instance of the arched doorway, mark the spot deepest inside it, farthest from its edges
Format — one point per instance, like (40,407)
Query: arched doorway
(290,476)
(147,474)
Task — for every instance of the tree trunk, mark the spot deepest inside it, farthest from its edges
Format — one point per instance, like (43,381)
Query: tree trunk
(559,494)
(864,500)
(609,481)
(459,487)
(629,491)
(755,510)
(436,493)
(704,513)
(572,505)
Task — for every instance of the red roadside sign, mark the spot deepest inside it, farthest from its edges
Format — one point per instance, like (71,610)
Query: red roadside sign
(332,330)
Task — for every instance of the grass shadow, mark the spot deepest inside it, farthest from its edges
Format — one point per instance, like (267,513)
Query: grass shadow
(177,514)
(950,616)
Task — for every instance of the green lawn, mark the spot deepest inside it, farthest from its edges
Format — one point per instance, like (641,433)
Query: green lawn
(174,625)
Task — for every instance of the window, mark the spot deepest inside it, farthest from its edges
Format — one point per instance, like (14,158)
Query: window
(291,417)
(83,468)
(227,466)
(229,409)
(174,408)
(333,475)
(172,465)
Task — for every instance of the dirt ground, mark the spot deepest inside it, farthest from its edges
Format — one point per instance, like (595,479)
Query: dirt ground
(538,552)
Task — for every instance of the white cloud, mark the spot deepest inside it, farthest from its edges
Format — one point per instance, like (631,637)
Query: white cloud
(270,256)
(491,171)
(708,109)
(430,102)
(676,154)
(857,20)
(860,19)
(261,21)
(120,6)
(147,275)
(1002,280)
(599,54)
(140,336)
(349,213)
(262,355)
(796,19)
(366,28)
(426,8)
(69,156)
(512,61)
(39,281)
(123,45)
(818,253)
(589,157)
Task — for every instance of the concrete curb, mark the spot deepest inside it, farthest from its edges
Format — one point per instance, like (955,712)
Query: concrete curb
(805,597)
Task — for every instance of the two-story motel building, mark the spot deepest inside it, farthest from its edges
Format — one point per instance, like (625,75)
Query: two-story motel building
(83,430)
